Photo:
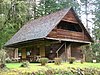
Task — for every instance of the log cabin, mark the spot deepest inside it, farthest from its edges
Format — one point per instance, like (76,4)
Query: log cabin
(60,34)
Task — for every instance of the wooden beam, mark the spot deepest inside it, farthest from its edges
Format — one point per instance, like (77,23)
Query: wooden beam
(65,51)
(70,40)
(69,21)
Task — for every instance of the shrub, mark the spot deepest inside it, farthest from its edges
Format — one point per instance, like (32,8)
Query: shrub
(14,60)
(2,56)
(56,71)
(43,61)
(25,64)
(2,66)
(57,61)
(8,60)
(82,61)
(71,60)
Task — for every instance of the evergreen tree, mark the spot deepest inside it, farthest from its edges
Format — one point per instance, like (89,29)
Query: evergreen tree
(48,6)
(13,14)
(96,31)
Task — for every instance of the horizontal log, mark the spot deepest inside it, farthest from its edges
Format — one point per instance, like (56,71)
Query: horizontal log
(60,33)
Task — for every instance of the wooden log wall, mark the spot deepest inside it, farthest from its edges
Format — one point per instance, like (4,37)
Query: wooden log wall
(69,17)
(60,33)
(76,51)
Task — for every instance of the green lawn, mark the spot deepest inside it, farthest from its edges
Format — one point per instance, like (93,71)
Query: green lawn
(37,66)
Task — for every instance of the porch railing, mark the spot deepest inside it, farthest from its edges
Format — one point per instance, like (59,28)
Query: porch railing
(59,49)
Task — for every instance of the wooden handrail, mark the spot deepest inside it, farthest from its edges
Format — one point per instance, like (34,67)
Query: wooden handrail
(59,48)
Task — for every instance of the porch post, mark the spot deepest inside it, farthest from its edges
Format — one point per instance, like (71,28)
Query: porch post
(65,52)
(24,53)
(69,51)
(16,53)
(42,51)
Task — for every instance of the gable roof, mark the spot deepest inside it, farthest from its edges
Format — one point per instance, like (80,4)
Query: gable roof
(81,25)
(39,28)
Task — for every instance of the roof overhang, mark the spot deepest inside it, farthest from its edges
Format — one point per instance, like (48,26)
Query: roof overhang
(23,43)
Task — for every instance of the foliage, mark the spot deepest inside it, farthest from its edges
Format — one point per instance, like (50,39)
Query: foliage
(2,56)
(96,51)
(58,61)
(71,60)
(25,64)
(14,60)
(51,71)
(8,60)
(87,51)
(82,61)
(96,31)
(48,6)
(13,14)
(43,61)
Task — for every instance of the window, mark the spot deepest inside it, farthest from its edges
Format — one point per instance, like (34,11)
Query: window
(69,26)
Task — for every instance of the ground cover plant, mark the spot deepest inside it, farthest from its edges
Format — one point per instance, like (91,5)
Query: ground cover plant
(58,61)
(52,69)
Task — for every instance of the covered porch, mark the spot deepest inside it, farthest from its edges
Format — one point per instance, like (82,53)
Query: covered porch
(49,49)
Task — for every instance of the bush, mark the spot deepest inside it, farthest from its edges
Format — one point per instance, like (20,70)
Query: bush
(57,61)
(14,61)
(71,60)
(70,71)
(8,60)
(2,56)
(82,61)
(25,64)
(43,61)
(2,66)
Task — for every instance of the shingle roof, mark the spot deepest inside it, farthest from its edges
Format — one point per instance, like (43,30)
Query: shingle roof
(38,28)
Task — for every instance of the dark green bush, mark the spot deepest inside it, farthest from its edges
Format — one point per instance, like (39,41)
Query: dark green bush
(43,61)
(58,61)
(25,64)
(71,60)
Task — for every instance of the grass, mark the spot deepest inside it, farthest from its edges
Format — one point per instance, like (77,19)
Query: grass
(37,66)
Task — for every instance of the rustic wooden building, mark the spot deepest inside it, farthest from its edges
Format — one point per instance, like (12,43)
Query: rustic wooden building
(60,34)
